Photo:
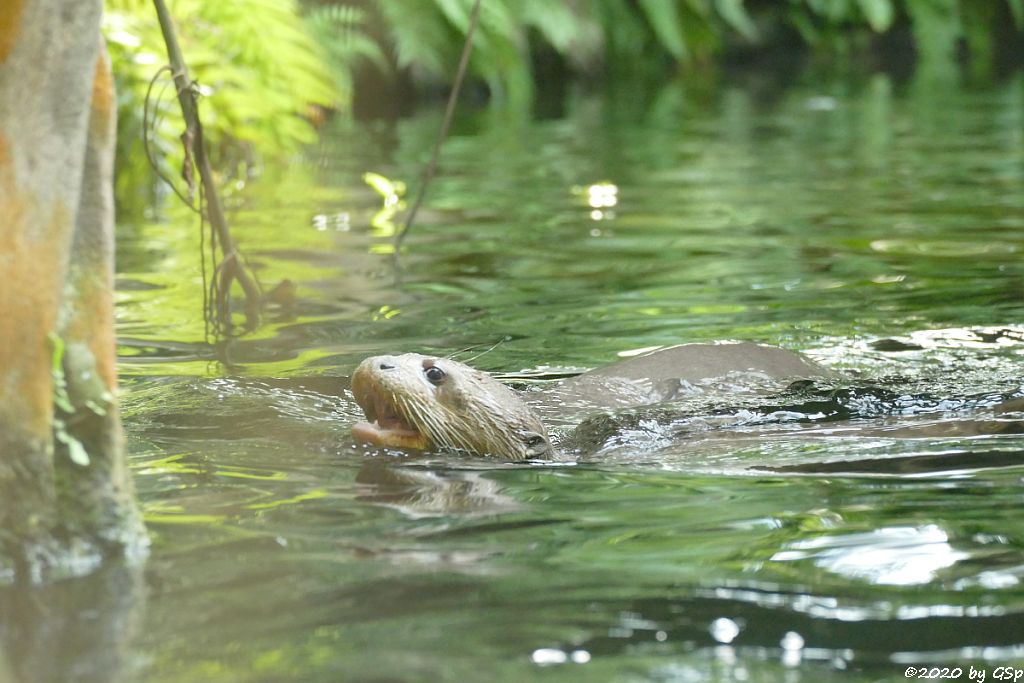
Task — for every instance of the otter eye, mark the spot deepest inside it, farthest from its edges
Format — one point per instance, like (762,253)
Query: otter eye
(434,374)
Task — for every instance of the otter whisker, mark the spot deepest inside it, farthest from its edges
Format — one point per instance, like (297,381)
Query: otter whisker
(432,427)
(436,429)
(482,353)
(454,435)
(413,414)
(457,432)
(454,355)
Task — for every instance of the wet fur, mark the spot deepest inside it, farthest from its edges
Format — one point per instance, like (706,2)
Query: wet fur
(467,410)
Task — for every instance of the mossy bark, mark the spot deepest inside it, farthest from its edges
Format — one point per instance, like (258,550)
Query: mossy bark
(66,498)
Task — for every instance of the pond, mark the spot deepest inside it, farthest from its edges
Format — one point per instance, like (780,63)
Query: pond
(873,223)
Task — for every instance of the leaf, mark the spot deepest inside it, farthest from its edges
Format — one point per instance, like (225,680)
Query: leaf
(420,34)
(456,12)
(555,21)
(879,13)
(76,451)
(383,186)
(663,17)
(57,356)
(340,29)
(735,14)
(1017,9)
(626,35)
(804,25)
(61,399)
(936,28)
(257,58)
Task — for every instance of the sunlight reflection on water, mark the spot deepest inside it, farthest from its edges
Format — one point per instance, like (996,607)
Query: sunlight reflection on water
(899,556)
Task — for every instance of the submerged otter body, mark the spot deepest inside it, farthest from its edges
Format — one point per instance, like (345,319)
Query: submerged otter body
(427,403)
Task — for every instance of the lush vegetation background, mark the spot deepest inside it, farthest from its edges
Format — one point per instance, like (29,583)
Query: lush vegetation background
(270,70)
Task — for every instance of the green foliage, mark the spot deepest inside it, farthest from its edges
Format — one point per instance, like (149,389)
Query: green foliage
(261,65)
(424,37)
(61,399)
(735,16)
(694,29)
(936,25)
(342,31)
(257,66)
(427,35)
(819,20)
(667,26)
(878,13)
(563,26)
(1017,8)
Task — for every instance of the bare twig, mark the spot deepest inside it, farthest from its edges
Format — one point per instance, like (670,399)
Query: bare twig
(449,112)
(231,266)
(150,124)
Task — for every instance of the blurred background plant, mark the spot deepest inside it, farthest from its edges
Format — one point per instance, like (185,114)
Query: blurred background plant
(261,74)
(595,39)
(270,70)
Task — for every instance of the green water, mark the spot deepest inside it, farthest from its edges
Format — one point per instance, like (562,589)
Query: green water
(819,217)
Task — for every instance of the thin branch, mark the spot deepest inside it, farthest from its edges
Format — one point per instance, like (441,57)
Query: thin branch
(449,112)
(150,124)
(232,264)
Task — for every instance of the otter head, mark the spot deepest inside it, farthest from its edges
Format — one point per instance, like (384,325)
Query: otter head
(421,402)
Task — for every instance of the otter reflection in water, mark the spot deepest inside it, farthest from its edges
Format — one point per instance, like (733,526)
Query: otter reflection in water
(427,403)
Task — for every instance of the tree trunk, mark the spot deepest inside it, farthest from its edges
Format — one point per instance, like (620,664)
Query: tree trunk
(66,498)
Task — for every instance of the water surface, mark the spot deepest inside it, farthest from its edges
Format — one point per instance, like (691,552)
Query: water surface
(786,545)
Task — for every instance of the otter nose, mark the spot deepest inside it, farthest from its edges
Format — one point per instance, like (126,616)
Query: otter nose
(385,366)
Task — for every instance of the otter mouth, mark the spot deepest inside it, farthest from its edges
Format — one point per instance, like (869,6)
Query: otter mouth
(386,426)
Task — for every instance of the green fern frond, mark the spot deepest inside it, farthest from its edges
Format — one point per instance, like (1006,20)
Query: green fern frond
(735,16)
(421,36)
(663,18)
(256,62)
(341,30)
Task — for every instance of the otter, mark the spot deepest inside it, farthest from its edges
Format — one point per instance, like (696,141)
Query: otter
(420,402)
(428,403)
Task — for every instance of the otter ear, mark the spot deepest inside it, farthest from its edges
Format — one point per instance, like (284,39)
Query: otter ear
(537,445)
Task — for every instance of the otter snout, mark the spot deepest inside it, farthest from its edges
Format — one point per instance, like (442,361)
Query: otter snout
(415,401)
